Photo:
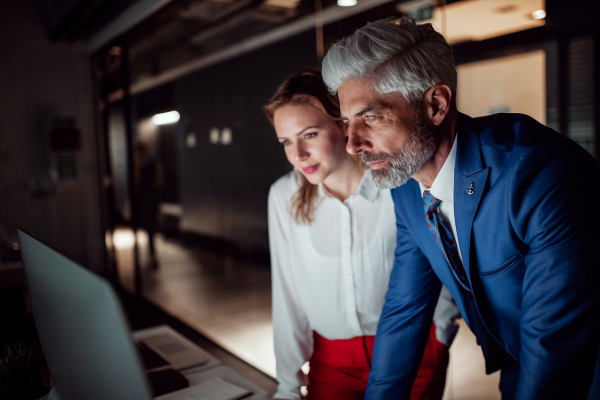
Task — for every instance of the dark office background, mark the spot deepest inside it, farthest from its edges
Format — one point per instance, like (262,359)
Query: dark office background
(47,73)
(62,77)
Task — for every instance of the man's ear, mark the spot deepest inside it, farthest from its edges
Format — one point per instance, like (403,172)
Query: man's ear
(344,127)
(437,103)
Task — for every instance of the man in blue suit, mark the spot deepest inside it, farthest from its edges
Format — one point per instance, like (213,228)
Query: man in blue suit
(501,209)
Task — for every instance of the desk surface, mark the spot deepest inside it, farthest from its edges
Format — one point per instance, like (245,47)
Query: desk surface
(143,314)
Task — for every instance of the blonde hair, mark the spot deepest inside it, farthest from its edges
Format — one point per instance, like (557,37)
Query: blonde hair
(306,87)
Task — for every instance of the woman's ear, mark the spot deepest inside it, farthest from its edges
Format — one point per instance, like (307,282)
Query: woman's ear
(437,103)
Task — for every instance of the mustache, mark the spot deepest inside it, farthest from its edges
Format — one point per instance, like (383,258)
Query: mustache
(371,157)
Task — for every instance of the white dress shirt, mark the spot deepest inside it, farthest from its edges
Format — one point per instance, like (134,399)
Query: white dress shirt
(443,189)
(331,276)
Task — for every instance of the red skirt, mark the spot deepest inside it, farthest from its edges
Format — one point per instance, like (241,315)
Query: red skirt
(339,369)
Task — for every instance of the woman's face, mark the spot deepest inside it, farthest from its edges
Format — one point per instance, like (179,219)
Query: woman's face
(313,143)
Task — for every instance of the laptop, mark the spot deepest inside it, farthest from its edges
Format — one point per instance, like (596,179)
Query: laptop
(85,335)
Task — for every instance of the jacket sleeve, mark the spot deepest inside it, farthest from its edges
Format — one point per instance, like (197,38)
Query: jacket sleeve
(292,335)
(405,321)
(555,212)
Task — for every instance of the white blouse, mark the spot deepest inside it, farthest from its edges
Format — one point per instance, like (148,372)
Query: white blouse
(331,276)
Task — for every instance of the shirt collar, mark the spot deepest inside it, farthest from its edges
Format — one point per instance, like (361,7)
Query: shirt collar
(366,188)
(443,184)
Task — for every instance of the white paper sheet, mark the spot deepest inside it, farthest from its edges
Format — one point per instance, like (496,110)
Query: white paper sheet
(212,389)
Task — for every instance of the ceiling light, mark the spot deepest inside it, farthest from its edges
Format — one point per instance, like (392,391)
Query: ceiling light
(166,118)
(346,3)
(283,3)
(538,14)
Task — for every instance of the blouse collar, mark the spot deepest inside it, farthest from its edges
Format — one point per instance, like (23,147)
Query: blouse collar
(366,188)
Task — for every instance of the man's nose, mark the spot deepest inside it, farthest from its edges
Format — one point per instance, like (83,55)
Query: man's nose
(357,141)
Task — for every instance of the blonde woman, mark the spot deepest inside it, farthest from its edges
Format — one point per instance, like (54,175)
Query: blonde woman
(332,236)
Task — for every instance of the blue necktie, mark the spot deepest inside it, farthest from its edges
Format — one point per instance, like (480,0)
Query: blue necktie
(444,239)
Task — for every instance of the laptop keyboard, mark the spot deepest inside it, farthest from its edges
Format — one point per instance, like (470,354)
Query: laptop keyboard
(150,358)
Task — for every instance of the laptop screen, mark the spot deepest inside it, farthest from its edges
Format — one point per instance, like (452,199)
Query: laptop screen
(82,329)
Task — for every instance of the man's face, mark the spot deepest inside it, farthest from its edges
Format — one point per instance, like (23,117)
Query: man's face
(391,137)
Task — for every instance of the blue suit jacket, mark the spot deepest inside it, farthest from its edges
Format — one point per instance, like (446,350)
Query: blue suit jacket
(528,236)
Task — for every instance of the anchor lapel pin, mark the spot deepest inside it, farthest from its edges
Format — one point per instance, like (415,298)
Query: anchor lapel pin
(471,188)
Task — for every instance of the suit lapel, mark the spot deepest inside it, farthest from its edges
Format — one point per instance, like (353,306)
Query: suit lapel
(470,178)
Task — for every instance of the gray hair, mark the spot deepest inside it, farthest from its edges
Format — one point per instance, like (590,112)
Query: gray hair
(396,55)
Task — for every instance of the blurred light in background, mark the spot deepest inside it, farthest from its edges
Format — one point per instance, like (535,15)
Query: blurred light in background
(166,118)
(190,140)
(475,20)
(123,238)
(108,239)
(226,136)
(214,136)
(115,51)
(283,3)
(538,14)
(346,3)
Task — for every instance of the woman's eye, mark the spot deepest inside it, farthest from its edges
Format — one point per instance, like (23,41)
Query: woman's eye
(285,142)
(309,135)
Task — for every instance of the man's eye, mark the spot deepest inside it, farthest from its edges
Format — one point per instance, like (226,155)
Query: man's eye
(372,117)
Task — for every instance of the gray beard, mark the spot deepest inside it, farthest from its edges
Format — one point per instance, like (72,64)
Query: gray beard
(408,160)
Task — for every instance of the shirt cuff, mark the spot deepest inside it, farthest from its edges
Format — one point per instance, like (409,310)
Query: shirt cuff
(446,333)
(287,393)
